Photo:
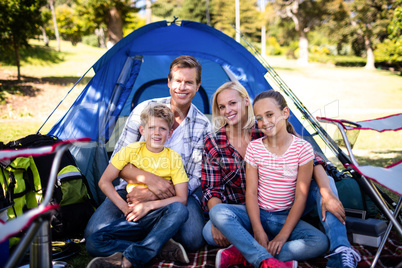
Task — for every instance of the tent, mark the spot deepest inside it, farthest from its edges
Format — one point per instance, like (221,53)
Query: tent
(136,69)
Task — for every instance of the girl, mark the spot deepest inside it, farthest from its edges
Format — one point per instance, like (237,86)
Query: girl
(278,175)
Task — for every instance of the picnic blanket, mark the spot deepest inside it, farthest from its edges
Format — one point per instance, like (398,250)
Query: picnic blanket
(391,256)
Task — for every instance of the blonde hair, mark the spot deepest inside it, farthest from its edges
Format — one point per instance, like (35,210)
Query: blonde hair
(280,100)
(158,110)
(217,120)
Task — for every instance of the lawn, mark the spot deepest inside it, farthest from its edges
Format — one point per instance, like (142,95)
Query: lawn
(349,93)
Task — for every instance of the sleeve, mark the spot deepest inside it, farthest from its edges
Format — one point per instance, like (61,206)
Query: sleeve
(200,130)
(211,177)
(131,131)
(176,166)
(306,153)
(249,157)
(119,160)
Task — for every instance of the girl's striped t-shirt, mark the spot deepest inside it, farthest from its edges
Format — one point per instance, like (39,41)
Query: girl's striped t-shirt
(277,175)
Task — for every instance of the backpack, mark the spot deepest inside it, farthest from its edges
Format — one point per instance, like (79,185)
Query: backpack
(25,179)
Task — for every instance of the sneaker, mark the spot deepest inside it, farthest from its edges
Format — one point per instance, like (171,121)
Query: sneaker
(274,263)
(113,261)
(230,256)
(173,251)
(343,257)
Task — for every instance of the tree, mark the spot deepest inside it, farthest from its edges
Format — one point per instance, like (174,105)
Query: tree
(19,21)
(371,18)
(112,13)
(306,15)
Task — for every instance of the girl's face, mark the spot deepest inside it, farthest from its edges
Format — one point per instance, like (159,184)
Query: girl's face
(270,118)
(232,107)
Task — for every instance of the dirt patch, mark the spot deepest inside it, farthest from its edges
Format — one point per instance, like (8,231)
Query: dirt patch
(31,98)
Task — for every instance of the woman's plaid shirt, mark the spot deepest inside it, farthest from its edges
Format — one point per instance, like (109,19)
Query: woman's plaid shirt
(223,172)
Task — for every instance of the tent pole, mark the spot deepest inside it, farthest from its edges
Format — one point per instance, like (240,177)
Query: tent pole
(76,83)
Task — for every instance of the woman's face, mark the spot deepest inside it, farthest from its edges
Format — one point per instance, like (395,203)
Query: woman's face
(232,107)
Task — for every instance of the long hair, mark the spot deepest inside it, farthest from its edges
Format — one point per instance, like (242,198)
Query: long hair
(217,120)
(280,100)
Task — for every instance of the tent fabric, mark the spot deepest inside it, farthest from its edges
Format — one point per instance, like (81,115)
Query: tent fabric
(136,69)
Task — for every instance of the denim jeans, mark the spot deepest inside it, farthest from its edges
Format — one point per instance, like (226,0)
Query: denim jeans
(305,241)
(334,229)
(189,234)
(139,241)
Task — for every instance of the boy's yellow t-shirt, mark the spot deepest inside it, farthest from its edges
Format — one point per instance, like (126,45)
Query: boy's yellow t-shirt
(167,164)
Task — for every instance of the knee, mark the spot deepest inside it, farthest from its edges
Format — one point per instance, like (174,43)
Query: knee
(219,214)
(179,210)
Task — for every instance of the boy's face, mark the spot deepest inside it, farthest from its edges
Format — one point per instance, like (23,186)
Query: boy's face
(155,132)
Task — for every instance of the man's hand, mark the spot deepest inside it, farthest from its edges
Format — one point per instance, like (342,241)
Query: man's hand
(219,238)
(139,195)
(159,186)
(332,204)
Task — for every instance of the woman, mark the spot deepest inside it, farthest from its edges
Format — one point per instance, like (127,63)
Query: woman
(223,171)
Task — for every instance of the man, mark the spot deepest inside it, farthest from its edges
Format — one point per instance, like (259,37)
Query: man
(189,130)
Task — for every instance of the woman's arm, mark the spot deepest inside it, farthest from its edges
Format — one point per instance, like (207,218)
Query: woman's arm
(330,202)
(304,175)
(106,185)
(140,210)
(252,206)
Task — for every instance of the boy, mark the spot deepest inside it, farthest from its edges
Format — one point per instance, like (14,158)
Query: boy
(137,238)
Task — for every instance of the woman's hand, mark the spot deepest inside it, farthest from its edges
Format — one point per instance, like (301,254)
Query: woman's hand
(219,238)
(333,205)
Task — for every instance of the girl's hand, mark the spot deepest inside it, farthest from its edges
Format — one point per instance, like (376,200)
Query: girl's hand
(219,238)
(138,211)
(275,246)
(333,205)
(262,239)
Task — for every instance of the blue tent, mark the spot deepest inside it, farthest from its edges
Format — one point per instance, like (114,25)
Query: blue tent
(136,69)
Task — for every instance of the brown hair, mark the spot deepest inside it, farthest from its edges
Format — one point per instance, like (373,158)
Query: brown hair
(186,62)
(218,121)
(280,100)
(157,110)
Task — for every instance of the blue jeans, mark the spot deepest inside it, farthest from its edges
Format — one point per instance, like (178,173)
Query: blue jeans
(189,234)
(139,241)
(334,229)
(305,241)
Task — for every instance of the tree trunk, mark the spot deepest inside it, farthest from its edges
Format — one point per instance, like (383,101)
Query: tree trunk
(17,58)
(303,48)
(148,12)
(207,14)
(370,63)
(45,38)
(56,29)
(101,37)
(114,27)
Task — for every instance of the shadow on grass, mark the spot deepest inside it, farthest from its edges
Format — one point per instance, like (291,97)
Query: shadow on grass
(381,158)
(28,86)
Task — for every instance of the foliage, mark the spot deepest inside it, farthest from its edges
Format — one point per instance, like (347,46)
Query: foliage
(167,9)
(19,20)
(90,40)
(194,10)
(71,27)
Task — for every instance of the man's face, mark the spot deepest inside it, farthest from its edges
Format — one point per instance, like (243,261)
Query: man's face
(183,86)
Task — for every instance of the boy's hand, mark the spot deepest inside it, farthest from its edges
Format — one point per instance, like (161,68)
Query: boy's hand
(138,211)
(139,195)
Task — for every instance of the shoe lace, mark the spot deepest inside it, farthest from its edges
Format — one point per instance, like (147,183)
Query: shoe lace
(349,256)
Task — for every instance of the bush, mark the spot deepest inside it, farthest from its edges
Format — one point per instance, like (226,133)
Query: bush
(91,40)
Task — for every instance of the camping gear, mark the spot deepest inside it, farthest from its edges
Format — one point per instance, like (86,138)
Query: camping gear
(389,177)
(36,220)
(136,69)
(27,179)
